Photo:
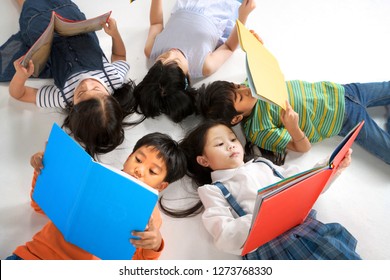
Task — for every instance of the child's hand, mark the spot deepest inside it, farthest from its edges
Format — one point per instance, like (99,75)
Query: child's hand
(36,162)
(345,162)
(150,238)
(289,117)
(246,7)
(21,71)
(110,27)
(257,36)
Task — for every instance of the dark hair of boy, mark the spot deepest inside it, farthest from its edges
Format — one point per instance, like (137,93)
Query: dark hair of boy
(164,90)
(169,150)
(216,101)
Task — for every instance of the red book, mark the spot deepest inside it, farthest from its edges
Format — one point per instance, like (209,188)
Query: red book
(286,204)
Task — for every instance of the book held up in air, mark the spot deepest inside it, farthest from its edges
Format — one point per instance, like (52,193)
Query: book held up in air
(286,204)
(265,78)
(39,52)
(96,207)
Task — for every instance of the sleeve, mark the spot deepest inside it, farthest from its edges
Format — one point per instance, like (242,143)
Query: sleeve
(122,67)
(272,139)
(147,254)
(34,205)
(229,232)
(49,96)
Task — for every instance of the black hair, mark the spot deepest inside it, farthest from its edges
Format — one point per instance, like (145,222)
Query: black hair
(193,145)
(97,123)
(216,101)
(164,90)
(169,150)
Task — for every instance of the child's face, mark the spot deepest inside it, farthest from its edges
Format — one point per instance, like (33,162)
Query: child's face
(244,101)
(174,55)
(146,165)
(88,89)
(222,149)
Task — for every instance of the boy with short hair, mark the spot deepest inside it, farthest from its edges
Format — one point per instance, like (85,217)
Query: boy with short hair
(157,161)
(317,111)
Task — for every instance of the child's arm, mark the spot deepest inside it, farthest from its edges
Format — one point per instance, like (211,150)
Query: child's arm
(150,244)
(299,142)
(118,50)
(36,163)
(17,88)
(156,25)
(215,59)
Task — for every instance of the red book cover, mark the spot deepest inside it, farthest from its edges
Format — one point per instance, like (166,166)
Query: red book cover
(286,204)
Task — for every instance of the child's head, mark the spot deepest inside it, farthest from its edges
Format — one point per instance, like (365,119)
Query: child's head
(96,117)
(157,160)
(211,146)
(225,101)
(96,123)
(165,90)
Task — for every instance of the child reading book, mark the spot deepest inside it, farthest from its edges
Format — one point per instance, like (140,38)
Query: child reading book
(93,91)
(197,39)
(314,111)
(214,154)
(156,160)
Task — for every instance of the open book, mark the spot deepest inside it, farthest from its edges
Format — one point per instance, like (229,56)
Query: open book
(286,204)
(94,206)
(40,51)
(265,78)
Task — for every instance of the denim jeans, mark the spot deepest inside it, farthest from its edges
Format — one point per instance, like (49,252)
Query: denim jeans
(33,20)
(359,97)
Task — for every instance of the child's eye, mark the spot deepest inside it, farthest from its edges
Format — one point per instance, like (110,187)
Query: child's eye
(137,160)
(219,144)
(152,172)
(234,139)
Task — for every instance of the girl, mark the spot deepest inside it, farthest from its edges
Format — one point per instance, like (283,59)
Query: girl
(197,39)
(215,154)
(93,91)
(156,160)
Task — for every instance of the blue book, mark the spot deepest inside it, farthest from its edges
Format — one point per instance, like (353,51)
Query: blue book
(96,207)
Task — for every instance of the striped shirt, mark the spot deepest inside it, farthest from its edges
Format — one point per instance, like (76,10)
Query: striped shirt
(50,95)
(320,107)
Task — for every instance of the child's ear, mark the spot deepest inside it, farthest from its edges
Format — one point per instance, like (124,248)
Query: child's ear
(236,119)
(202,160)
(162,186)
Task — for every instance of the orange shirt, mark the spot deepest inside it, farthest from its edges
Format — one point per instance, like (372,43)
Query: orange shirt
(49,243)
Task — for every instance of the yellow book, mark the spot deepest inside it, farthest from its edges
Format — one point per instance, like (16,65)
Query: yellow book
(265,78)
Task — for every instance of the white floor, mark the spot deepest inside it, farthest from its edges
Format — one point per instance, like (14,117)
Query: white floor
(341,41)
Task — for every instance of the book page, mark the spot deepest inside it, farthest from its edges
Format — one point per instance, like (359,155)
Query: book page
(65,27)
(39,53)
(266,77)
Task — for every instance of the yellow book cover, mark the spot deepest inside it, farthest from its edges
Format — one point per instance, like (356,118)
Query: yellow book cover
(265,78)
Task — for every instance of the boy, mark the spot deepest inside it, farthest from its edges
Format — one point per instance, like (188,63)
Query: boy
(157,161)
(317,111)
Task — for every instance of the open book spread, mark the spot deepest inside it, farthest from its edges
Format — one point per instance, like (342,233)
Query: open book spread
(285,204)
(265,78)
(96,207)
(40,51)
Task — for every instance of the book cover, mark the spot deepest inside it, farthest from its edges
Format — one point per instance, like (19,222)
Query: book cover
(265,78)
(285,204)
(95,207)
(40,51)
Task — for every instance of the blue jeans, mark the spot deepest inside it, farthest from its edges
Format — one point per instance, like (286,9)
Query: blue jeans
(33,21)
(359,97)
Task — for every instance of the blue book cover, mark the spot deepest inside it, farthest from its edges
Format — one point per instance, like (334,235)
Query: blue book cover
(95,207)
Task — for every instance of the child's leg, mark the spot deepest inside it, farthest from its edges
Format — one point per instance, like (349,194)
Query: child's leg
(372,137)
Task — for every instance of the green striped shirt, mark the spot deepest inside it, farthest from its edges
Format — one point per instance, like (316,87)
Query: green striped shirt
(320,107)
